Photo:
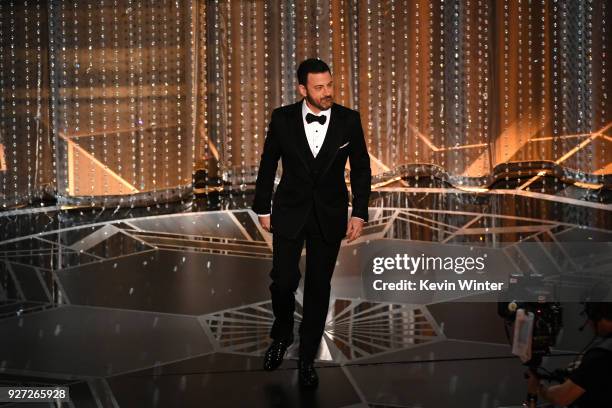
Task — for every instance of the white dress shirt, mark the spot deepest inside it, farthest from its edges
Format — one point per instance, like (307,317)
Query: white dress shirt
(315,132)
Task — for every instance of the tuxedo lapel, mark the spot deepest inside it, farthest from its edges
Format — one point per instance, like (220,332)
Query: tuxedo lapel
(303,149)
(333,139)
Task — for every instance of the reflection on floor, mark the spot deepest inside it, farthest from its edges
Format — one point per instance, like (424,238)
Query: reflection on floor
(355,329)
(173,310)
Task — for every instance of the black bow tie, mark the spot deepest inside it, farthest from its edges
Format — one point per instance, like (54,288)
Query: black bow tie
(312,118)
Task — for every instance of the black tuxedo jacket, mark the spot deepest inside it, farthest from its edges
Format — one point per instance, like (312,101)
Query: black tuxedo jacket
(311,183)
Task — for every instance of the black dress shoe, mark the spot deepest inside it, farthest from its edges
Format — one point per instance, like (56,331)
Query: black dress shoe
(307,374)
(275,354)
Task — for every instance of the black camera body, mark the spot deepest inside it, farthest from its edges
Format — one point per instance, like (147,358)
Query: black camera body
(547,323)
(531,294)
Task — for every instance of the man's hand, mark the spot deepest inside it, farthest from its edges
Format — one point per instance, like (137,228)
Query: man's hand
(354,228)
(562,394)
(264,220)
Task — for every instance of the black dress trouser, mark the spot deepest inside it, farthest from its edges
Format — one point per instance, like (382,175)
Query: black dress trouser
(320,262)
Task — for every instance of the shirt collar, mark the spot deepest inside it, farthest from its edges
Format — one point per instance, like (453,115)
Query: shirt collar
(306,110)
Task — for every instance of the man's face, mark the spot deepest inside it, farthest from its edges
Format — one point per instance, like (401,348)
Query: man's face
(319,91)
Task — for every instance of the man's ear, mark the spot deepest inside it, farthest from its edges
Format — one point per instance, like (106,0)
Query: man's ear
(302,90)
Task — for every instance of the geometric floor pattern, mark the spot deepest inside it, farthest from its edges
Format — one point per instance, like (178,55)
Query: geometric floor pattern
(361,329)
(174,310)
(355,329)
(243,329)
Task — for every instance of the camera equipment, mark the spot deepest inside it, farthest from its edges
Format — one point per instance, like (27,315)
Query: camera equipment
(547,323)
(547,316)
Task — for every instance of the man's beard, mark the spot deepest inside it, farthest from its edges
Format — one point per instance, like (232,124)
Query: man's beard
(318,105)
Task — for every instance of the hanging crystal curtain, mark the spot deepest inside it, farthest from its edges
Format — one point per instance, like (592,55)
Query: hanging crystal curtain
(26,138)
(552,81)
(107,102)
(478,90)
(122,96)
(97,103)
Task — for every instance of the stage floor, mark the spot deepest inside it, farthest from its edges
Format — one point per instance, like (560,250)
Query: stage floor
(173,310)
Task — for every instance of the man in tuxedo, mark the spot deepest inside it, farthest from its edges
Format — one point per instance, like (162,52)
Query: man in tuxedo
(314,138)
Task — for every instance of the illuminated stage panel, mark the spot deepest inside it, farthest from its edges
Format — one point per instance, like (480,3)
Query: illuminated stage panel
(177,282)
(126,172)
(244,329)
(495,204)
(581,151)
(75,235)
(355,329)
(106,341)
(365,329)
(221,224)
(107,245)
(2,158)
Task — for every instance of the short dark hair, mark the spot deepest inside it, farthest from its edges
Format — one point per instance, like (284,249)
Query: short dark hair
(310,65)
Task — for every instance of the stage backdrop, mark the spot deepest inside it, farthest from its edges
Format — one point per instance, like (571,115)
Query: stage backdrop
(113,102)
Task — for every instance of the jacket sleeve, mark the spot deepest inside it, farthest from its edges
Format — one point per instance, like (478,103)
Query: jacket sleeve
(361,174)
(267,168)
